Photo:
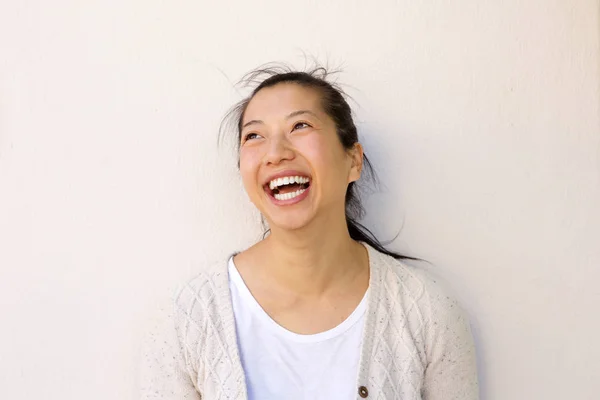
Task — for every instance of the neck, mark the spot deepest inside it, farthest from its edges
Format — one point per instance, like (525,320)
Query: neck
(316,258)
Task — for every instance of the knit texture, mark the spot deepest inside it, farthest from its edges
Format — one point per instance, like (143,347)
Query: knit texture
(417,344)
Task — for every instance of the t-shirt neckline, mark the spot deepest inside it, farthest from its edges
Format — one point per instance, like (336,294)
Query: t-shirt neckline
(259,312)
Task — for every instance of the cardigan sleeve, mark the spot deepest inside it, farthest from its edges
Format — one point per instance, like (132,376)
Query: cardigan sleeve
(451,370)
(165,372)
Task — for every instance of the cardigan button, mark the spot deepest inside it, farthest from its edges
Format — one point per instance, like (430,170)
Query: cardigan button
(363,392)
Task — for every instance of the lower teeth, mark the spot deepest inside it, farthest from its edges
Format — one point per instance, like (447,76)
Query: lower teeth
(288,196)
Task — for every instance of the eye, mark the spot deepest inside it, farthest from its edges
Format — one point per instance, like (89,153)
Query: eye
(251,136)
(300,125)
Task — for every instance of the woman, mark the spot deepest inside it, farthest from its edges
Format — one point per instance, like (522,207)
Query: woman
(318,309)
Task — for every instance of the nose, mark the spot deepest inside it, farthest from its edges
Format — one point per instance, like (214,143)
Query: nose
(279,149)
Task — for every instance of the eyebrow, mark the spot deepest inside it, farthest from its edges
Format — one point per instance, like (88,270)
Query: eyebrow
(290,115)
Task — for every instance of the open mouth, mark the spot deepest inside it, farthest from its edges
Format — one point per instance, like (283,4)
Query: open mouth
(288,187)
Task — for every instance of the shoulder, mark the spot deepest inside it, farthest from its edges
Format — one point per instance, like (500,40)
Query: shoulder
(200,289)
(426,305)
(208,280)
(411,285)
(192,302)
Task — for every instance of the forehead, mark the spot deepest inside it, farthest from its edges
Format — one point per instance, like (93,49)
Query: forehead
(281,100)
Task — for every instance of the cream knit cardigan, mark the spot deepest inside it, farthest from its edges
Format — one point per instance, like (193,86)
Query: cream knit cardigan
(416,344)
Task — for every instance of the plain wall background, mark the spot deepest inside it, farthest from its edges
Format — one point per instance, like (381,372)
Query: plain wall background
(482,117)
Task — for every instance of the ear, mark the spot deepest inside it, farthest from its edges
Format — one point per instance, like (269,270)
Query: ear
(356,154)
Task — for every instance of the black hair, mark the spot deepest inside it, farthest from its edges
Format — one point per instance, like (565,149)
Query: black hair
(337,108)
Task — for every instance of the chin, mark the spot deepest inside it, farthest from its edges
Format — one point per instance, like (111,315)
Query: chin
(288,223)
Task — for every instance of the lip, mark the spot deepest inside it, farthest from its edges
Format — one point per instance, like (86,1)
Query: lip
(295,200)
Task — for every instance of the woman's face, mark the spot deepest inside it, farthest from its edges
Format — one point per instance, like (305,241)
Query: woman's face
(293,165)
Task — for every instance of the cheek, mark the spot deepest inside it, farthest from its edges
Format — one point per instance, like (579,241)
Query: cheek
(326,155)
(318,150)
(249,162)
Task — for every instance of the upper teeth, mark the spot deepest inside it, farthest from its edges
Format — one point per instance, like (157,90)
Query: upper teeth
(288,180)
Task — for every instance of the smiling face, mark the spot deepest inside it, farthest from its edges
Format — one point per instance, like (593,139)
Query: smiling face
(293,165)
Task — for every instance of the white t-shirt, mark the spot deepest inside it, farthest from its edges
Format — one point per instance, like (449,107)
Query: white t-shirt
(280,364)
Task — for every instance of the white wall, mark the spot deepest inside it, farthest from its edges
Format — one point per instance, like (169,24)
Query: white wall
(483,118)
